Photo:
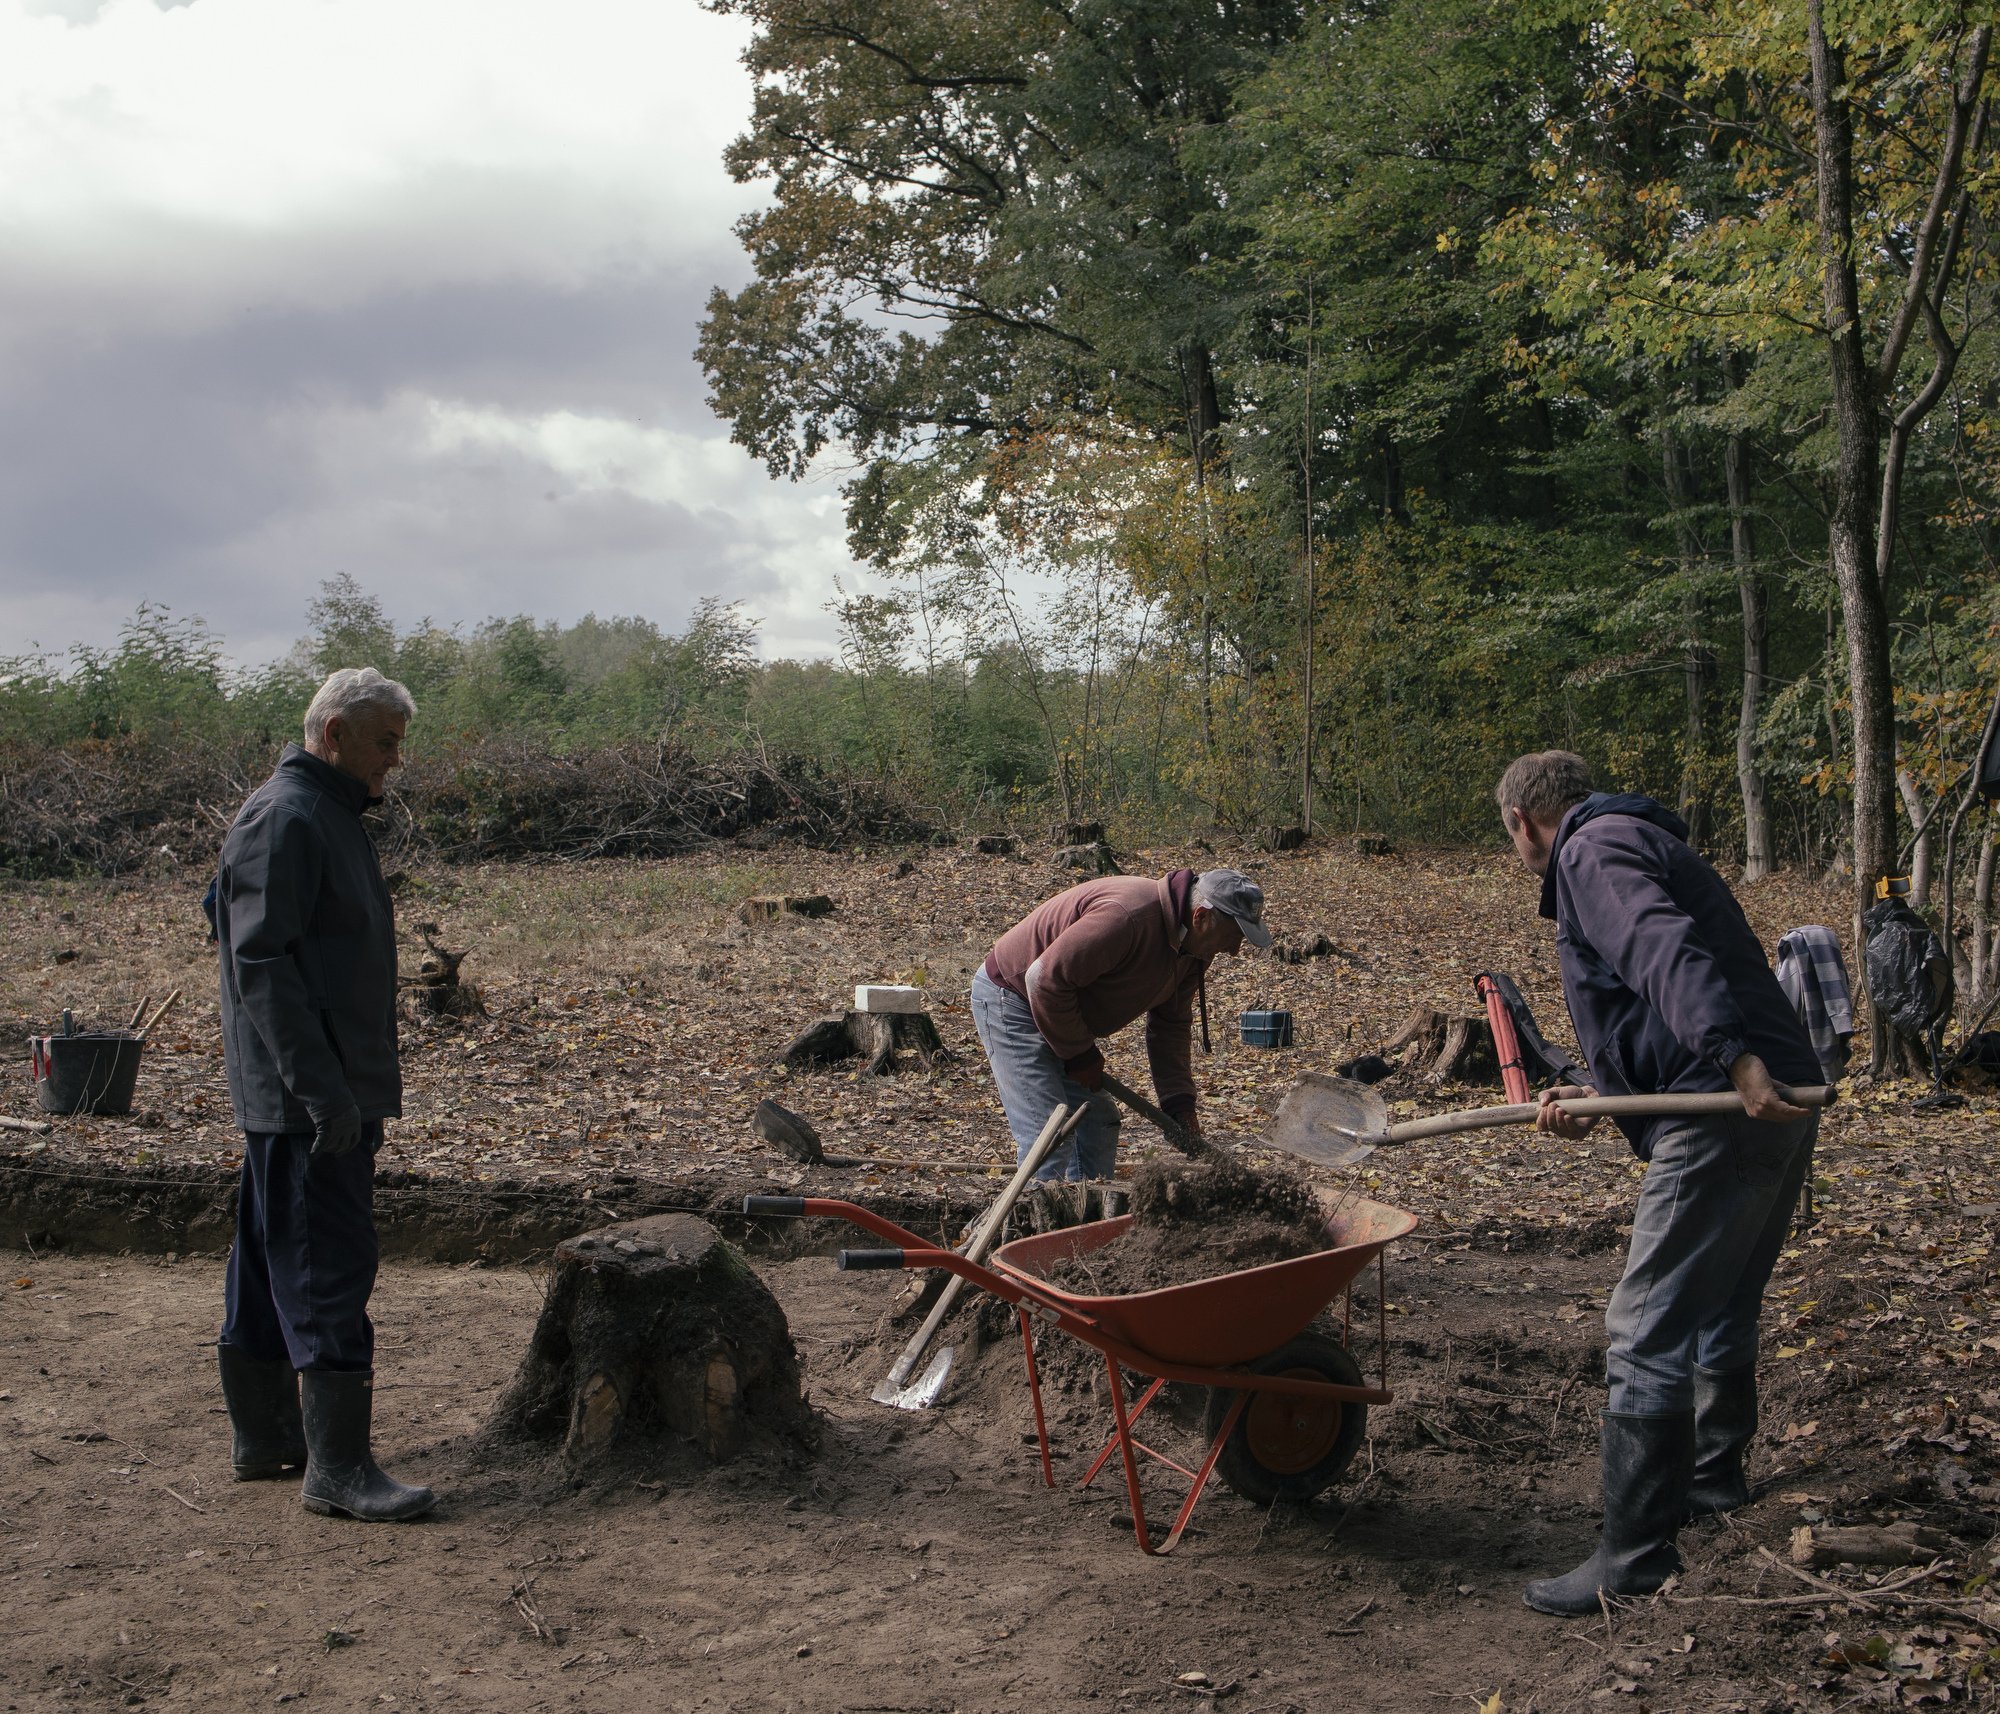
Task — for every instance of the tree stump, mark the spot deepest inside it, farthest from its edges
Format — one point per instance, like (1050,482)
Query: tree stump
(1446,1049)
(994,845)
(656,1336)
(435,991)
(1282,838)
(1092,859)
(879,1035)
(767,907)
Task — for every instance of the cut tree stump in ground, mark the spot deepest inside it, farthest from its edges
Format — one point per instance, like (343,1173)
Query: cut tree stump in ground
(878,1035)
(1446,1049)
(767,907)
(1092,859)
(655,1334)
(435,991)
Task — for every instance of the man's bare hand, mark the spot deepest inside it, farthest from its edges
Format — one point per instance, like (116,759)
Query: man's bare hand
(1556,1122)
(1761,1099)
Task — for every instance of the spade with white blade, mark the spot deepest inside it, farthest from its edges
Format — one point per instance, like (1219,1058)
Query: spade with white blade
(1335,1121)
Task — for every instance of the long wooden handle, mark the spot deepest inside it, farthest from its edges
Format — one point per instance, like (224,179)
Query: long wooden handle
(1060,1124)
(1593,1107)
(1195,1147)
(146,1028)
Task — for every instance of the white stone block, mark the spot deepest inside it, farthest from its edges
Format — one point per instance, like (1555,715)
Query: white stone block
(888,997)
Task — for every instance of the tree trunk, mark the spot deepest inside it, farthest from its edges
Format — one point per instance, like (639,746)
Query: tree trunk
(1920,856)
(1757,854)
(1981,955)
(1852,526)
(1697,659)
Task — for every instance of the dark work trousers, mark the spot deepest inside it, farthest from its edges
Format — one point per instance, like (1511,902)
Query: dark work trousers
(304,1259)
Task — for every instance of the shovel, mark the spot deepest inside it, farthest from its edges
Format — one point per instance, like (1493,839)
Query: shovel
(896,1389)
(1335,1121)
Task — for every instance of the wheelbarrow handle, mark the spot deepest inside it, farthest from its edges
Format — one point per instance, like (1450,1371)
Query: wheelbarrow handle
(860,1261)
(1595,1107)
(792,1205)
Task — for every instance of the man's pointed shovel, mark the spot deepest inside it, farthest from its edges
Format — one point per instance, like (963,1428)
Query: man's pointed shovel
(1335,1121)
(896,1389)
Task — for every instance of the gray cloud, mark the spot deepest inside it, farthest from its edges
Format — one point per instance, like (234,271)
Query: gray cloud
(471,388)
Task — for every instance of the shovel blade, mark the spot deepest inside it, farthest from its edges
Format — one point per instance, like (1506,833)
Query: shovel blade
(1331,1121)
(921,1393)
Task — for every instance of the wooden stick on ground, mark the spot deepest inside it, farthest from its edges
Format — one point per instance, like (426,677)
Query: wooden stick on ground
(37,1126)
(983,1236)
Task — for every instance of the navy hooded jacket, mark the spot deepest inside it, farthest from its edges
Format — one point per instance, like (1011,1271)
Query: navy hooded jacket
(1666,983)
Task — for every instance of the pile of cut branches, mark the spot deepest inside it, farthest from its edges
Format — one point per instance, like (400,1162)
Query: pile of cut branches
(109,807)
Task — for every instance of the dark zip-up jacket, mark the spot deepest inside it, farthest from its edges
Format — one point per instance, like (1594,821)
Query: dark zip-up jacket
(1667,984)
(308,954)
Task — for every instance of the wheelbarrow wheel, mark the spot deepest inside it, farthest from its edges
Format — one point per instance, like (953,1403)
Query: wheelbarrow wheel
(1288,1446)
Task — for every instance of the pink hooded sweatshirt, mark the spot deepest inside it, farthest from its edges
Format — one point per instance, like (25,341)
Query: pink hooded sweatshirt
(1090,960)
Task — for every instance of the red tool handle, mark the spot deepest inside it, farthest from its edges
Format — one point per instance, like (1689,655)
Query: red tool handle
(1506,1044)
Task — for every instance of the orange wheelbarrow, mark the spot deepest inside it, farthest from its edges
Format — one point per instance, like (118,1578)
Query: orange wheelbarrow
(1287,1406)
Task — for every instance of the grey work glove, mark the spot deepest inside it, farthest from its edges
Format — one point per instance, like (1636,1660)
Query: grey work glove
(337,1132)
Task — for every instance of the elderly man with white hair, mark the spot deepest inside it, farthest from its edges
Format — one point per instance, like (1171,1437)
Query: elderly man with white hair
(307,941)
(1084,965)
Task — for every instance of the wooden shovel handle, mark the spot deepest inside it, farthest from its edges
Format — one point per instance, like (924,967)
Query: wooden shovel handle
(1196,1148)
(1593,1107)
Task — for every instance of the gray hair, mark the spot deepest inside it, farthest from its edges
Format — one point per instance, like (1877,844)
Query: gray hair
(349,692)
(1544,784)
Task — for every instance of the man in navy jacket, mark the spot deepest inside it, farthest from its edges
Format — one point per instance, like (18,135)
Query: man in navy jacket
(307,945)
(1670,992)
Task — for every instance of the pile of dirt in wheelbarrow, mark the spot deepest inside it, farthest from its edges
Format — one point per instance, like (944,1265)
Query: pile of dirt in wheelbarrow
(1192,1220)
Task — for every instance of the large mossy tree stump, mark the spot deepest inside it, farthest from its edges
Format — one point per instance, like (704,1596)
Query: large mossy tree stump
(1446,1049)
(656,1332)
(875,1035)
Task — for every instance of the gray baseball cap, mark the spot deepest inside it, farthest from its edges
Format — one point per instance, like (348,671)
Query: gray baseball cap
(1233,891)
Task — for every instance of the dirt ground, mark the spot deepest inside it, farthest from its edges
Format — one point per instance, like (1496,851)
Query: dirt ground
(917,1563)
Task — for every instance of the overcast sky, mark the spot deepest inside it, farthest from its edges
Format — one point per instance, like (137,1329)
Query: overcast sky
(401,288)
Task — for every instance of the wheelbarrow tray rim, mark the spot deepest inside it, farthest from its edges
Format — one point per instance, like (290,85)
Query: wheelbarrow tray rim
(1224,1319)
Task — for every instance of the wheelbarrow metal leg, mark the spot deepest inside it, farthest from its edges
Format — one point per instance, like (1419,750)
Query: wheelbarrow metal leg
(1126,1445)
(1035,1392)
(1111,1442)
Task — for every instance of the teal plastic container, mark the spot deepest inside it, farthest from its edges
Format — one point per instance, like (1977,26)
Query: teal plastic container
(1266,1029)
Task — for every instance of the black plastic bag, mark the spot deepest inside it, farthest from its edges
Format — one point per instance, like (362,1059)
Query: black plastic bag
(1909,974)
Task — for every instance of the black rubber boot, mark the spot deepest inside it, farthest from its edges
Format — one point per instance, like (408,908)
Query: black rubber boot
(1725,1417)
(342,1477)
(263,1401)
(1646,1464)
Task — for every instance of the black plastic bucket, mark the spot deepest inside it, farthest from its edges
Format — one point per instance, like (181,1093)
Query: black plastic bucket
(86,1073)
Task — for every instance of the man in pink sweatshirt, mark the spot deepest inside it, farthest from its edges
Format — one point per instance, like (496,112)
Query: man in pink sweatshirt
(1084,965)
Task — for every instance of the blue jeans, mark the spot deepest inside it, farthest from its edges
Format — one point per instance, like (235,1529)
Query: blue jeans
(1713,1211)
(303,1264)
(1032,1086)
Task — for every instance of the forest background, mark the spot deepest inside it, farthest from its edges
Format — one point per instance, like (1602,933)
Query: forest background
(1258,415)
